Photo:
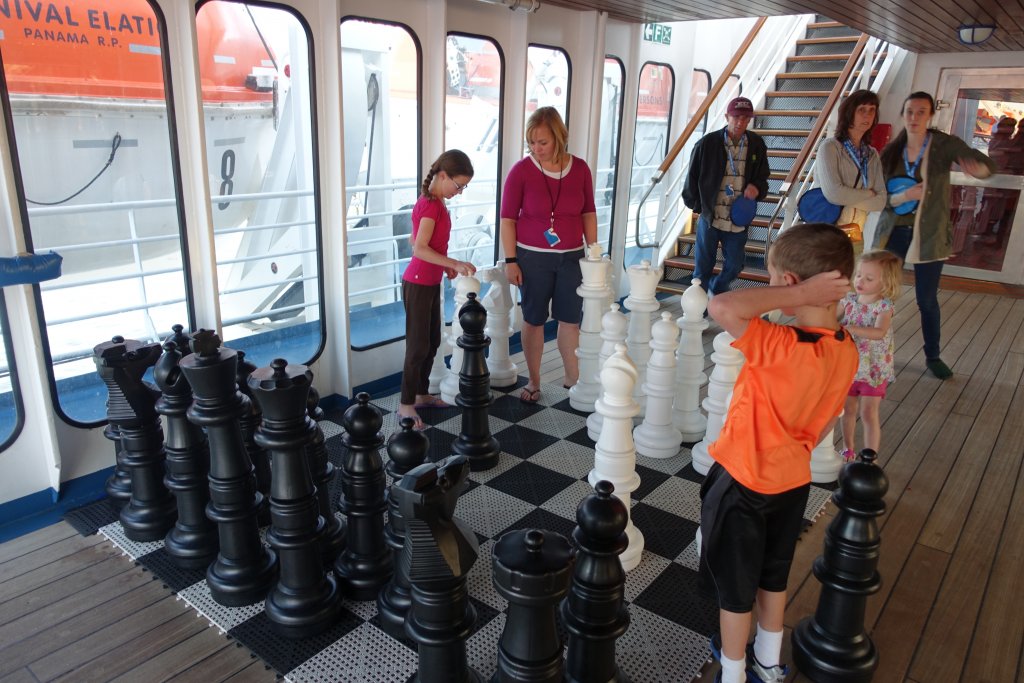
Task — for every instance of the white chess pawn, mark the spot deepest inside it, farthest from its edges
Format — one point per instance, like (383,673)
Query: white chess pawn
(595,293)
(643,282)
(614,453)
(464,284)
(825,462)
(438,370)
(656,437)
(498,303)
(728,362)
(613,332)
(690,377)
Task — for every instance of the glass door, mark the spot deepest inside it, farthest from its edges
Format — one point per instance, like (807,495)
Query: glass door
(986,110)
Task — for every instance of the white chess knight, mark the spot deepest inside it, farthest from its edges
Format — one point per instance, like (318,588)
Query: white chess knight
(595,293)
(614,453)
(464,284)
(686,414)
(656,437)
(613,332)
(643,282)
(498,303)
(728,362)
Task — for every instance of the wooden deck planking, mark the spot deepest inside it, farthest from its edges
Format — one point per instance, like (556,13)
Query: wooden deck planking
(232,659)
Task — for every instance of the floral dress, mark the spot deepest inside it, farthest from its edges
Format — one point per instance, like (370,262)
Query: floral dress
(876,355)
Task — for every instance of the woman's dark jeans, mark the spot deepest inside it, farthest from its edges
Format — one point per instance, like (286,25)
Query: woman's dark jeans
(926,287)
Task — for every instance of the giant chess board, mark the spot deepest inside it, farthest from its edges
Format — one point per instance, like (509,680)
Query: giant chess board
(538,483)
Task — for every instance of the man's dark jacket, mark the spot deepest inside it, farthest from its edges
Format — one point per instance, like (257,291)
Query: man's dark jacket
(707,168)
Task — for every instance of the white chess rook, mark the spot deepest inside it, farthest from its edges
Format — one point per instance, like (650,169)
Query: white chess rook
(613,331)
(498,303)
(825,462)
(614,453)
(595,293)
(690,377)
(464,284)
(656,437)
(643,281)
(438,370)
(728,362)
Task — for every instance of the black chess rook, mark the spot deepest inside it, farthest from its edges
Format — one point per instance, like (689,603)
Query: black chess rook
(119,484)
(192,543)
(332,539)
(833,644)
(365,565)
(594,613)
(475,440)
(244,569)
(305,600)
(441,617)
(407,448)
(532,570)
(131,408)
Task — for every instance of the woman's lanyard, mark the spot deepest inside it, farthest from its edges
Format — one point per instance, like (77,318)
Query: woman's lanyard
(912,170)
(860,157)
(732,161)
(554,199)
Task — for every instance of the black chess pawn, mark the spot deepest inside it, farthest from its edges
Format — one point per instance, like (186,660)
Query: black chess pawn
(250,422)
(192,543)
(119,484)
(364,566)
(833,644)
(131,408)
(594,613)
(407,448)
(532,570)
(439,551)
(332,540)
(305,600)
(244,568)
(475,440)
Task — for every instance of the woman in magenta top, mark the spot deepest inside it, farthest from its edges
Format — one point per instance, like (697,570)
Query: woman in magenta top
(421,282)
(547,218)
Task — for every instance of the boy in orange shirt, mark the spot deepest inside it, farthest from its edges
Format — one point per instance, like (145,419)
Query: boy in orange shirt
(787,397)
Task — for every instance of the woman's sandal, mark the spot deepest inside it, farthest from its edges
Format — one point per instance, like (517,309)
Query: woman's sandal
(529,395)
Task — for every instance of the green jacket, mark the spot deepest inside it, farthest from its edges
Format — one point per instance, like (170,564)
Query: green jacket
(933,229)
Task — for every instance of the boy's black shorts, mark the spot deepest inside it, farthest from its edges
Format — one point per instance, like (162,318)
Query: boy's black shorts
(747,538)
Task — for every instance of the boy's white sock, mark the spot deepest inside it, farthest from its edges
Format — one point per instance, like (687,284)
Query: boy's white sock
(768,646)
(733,670)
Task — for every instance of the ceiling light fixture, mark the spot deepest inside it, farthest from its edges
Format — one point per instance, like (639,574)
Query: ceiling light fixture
(975,34)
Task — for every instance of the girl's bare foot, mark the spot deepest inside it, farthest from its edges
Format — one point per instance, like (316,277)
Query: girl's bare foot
(410,412)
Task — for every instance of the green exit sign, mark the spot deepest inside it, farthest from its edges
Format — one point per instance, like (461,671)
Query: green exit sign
(658,33)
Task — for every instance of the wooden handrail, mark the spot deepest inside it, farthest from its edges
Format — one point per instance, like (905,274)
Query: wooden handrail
(826,111)
(710,97)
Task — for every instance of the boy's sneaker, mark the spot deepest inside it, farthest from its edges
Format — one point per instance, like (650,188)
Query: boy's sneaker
(758,673)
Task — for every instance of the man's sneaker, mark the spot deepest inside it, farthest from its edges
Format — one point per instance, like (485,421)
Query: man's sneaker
(758,673)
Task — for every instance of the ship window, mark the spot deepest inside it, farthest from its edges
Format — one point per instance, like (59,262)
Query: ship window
(650,145)
(700,86)
(257,90)
(87,105)
(548,75)
(381,89)
(11,409)
(472,123)
(608,147)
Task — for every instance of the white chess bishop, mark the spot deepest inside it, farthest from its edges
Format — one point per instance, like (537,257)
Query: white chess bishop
(595,293)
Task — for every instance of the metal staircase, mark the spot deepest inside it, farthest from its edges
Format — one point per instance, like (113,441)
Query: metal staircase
(785,121)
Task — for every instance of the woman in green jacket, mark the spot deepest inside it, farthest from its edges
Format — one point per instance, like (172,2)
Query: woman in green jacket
(923,236)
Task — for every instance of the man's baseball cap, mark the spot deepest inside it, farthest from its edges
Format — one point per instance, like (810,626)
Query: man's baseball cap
(740,106)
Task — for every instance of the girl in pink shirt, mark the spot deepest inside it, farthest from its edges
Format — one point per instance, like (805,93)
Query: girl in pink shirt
(421,291)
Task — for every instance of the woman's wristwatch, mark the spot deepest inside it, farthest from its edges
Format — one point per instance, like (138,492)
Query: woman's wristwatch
(511,259)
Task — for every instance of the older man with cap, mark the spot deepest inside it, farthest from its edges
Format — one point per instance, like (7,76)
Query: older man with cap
(725,165)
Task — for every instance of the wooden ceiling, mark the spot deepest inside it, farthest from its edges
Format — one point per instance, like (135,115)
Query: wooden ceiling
(917,25)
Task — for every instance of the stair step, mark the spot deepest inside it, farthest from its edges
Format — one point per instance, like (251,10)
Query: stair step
(824,24)
(818,74)
(828,40)
(801,93)
(781,132)
(785,153)
(812,113)
(682,263)
(751,247)
(828,58)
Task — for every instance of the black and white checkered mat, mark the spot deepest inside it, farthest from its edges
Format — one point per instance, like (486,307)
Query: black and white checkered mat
(538,483)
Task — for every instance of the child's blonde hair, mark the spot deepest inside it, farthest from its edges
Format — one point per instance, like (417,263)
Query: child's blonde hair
(892,270)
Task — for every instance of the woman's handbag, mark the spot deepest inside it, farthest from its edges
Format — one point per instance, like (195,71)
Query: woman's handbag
(815,208)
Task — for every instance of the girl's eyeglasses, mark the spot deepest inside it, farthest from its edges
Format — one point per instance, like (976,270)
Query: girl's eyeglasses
(458,188)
